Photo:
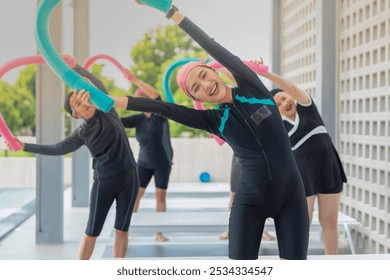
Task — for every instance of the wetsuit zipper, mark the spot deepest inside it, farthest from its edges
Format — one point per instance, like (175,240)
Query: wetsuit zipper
(257,139)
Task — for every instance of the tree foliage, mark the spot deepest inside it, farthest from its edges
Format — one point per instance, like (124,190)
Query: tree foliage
(158,46)
(26,79)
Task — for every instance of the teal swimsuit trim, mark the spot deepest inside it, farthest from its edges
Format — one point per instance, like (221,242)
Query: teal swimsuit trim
(224,120)
(253,100)
(242,99)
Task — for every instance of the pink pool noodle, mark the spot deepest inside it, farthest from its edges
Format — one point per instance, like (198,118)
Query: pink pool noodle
(87,64)
(34,59)
(8,136)
(257,68)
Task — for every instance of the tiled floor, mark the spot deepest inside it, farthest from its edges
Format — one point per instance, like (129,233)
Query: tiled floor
(185,197)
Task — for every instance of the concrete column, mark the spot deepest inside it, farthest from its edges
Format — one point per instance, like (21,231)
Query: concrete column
(81,158)
(276,37)
(326,63)
(50,129)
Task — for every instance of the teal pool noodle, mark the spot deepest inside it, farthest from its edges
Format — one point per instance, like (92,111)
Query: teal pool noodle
(167,76)
(162,5)
(57,64)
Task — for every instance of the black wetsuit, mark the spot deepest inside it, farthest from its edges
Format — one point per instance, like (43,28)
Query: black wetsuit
(155,155)
(235,172)
(270,184)
(115,176)
(317,159)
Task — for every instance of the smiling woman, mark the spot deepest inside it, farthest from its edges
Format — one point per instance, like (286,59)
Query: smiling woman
(248,120)
(168,92)
(317,159)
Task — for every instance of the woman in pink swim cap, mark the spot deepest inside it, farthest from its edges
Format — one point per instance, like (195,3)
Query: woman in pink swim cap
(202,83)
(248,120)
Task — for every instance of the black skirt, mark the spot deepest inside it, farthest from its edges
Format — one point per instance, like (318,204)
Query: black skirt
(320,166)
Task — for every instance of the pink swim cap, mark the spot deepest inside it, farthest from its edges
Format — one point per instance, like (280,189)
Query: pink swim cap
(183,72)
(140,93)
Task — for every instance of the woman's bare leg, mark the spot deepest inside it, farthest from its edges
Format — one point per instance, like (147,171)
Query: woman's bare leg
(87,244)
(120,243)
(161,206)
(141,192)
(328,209)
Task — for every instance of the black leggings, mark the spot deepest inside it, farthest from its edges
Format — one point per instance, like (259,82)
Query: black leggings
(124,189)
(247,218)
(161,176)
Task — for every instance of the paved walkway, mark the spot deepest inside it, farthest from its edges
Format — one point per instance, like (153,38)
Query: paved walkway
(16,205)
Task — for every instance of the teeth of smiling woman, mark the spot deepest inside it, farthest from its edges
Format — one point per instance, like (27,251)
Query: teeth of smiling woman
(213,91)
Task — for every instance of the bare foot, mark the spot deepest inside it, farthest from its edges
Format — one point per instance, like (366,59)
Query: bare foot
(267,236)
(224,235)
(160,237)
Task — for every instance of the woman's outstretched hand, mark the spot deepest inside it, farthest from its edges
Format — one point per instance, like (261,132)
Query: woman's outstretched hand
(259,67)
(17,140)
(258,61)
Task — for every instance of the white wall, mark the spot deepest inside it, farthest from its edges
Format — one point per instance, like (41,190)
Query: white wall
(192,156)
